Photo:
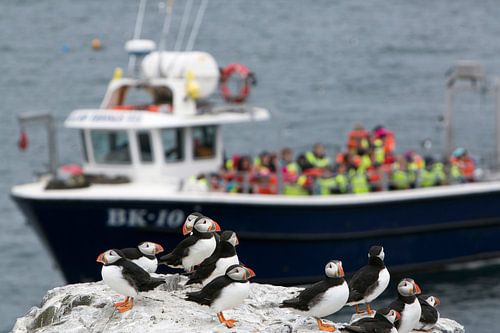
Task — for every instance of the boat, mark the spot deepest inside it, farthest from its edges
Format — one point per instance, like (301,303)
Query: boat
(140,158)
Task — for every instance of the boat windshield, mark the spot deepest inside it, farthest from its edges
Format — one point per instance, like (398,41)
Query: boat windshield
(204,141)
(110,147)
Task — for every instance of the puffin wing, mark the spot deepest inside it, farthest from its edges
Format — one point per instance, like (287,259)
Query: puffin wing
(174,258)
(429,313)
(131,253)
(370,325)
(138,277)
(362,281)
(210,292)
(202,272)
(307,297)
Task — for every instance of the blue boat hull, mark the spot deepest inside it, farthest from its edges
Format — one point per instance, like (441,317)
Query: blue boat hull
(283,243)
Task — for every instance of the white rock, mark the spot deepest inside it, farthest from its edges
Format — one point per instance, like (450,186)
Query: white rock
(88,307)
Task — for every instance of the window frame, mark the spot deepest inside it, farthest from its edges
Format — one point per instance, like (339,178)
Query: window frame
(151,147)
(215,143)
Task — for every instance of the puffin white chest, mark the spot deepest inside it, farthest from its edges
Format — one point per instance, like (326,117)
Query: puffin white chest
(231,296)
(383,281)
(113,277)
(198,252)
(410,316)
(220,268)
(149,265)
(332,301)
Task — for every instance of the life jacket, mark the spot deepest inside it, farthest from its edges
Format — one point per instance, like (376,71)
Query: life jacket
(389,142)
(326,185)
(455,175)
(374,178)
(378,151)
(427,178)
(317,162)
(266,185)
(439,173)
(359,183)
(341,183)
(358,139)
(467,167)
(399,178)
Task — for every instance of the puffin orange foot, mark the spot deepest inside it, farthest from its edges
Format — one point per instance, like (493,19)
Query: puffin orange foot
(357,308)
(369,309)
(325,327)
(228,322)
(122,303)
(127,306)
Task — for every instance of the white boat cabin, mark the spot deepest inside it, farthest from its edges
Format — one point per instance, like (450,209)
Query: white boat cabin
(159,128)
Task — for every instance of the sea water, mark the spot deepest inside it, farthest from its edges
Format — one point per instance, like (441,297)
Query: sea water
(322,66)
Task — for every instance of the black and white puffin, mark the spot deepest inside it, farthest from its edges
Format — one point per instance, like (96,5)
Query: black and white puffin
(144,255)
(225,292)
(125,277)
(191,251)
(407,305)
(370,281)
(324,297)
(382,322)
(187,227)
(217,264)
(430,315)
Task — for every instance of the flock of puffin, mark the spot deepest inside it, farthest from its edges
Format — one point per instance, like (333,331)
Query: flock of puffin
(210,259)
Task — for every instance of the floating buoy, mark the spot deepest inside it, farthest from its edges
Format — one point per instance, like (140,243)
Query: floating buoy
(96,44)
(23,140)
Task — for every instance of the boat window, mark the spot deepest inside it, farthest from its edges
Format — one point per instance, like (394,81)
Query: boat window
(144,141)
(84,147)
(111,147)
(173,146)
(204,139)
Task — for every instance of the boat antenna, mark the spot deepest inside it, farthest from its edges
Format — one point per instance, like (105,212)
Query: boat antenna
(184,24)
(137,32)
(196,25)
(164,32)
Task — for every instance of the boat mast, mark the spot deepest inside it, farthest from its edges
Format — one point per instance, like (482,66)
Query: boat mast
(463,70)
(196,25)
(164,33)
(137,32)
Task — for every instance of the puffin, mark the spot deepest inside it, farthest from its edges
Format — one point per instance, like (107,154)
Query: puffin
(187,227)
(407,305)
(323,298)
(216,265)
(125,277)
(430,315)
(370,281)
(191,251)
(225,292)
(144,255)
(382,322)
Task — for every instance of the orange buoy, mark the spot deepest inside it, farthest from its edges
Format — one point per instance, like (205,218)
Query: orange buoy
(96,44)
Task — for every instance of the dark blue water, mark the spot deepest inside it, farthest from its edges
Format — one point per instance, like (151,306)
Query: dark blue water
(321,65)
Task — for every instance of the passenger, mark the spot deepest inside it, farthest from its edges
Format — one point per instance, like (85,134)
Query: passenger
(399,179)
(263,165)
(387,136)
(244,175)
(455,174)
(375,178)
(303,163)
(357,139)
(289,167)
(359,182)
(465,163)
(415,164)
(427,178)
(439,173)
(341,180)
(317,157)
(378,152)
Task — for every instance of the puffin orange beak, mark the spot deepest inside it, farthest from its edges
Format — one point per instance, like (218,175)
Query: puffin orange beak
(158,248)
(185,230)
(437,300)
(341,271)
(101,258)
(417,289)
(250,273)
(217,227)
(398,315)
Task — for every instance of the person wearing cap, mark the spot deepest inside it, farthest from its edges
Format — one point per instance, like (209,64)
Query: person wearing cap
(465,163)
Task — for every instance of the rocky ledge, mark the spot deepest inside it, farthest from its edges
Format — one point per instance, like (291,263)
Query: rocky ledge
(88,307)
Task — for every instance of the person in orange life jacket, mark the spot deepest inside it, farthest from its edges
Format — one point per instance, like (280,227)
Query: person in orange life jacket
(465,163)
(289,167)
(317,157)
(358,138)
(387,136)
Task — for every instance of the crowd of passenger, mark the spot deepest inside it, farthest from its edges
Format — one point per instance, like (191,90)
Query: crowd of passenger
(368,163)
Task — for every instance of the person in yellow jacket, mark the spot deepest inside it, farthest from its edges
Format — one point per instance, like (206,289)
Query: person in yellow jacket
(359,182)
(317,157)
(400,179)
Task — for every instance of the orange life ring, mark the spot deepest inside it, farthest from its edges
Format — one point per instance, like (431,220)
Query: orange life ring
(246,77)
